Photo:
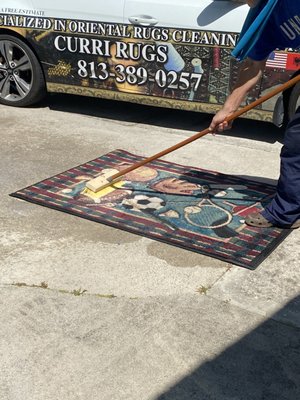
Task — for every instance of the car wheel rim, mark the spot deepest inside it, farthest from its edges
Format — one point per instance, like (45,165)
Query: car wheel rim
(15,72)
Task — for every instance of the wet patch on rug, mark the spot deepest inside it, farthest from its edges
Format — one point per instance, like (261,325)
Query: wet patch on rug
(195,209)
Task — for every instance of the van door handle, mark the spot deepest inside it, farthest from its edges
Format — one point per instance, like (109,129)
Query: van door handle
(146,20)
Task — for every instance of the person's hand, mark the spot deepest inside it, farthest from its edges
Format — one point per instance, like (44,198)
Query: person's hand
(252,3)
(219,123)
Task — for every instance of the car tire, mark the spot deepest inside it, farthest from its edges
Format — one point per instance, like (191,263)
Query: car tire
(22,80)
(294,101)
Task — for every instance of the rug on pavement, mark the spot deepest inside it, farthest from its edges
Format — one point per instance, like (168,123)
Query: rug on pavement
(193,208)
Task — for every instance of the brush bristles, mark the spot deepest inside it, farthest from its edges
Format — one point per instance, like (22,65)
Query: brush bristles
(97,184)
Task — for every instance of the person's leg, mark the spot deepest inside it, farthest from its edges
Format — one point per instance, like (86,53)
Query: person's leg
(284,209)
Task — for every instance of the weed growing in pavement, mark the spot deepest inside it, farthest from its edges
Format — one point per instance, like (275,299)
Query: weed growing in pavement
(78,292)
(203,289)
(75,292)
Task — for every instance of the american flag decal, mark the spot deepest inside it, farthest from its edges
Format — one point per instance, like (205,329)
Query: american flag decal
(277,60)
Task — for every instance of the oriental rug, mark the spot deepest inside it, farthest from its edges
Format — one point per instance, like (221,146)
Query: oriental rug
(192,208)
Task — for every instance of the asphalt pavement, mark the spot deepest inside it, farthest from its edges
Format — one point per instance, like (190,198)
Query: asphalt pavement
(92,312)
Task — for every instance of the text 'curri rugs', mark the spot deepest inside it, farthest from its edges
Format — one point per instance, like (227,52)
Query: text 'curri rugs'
(196,209)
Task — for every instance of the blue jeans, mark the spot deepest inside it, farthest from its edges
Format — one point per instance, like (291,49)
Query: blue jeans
(284,209)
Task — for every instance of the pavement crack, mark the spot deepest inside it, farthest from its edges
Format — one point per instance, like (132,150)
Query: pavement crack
(75,292)
(204,289)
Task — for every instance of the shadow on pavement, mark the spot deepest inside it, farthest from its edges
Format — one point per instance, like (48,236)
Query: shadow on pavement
(261,179)
(161,117)
(264,365)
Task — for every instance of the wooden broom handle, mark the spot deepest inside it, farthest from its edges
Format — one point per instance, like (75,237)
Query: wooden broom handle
(230,118)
